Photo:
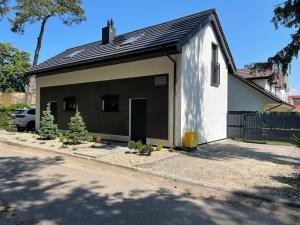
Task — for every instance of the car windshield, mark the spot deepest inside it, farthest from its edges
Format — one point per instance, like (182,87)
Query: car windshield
(19,111)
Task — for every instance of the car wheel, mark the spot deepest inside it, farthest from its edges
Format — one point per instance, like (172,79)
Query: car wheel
(31,126)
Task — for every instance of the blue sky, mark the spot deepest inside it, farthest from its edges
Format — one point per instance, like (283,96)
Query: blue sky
(249,32)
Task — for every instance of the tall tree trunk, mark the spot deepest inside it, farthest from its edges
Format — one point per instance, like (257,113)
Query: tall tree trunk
(31,89)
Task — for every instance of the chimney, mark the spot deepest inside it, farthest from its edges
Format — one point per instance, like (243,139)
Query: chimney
(108,33)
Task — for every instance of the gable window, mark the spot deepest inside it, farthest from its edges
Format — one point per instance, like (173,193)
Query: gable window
(215,67)
(70,104)
(110,103)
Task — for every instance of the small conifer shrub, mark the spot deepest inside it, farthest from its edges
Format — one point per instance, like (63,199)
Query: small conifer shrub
(48,129)
(77,130)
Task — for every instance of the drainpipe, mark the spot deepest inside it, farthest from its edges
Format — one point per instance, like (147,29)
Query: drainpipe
(276,106)
(174,93)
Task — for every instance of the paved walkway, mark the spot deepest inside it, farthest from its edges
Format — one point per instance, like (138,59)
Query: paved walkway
(49,188)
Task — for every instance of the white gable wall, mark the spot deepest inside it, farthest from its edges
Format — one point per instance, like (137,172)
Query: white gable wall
(203,107)
(263,83)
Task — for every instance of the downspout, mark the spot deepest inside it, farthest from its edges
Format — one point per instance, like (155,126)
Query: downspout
(174,96)
(276,106)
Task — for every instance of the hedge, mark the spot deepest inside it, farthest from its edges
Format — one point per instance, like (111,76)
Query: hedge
(6,111)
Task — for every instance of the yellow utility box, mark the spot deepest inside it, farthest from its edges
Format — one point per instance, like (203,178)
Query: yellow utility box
(190,139)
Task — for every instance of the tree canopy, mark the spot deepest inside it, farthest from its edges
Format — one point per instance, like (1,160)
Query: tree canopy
(69,11)
(13,65)
(33,11)
(287,15)
(3,8)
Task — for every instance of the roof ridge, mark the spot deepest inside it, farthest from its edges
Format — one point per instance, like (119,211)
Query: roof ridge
(169,21)
(213,10)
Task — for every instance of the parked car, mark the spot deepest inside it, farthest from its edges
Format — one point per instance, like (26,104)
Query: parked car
(24,119)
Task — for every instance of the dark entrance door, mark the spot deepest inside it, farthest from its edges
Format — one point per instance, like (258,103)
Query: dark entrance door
(138,120)
(53,109)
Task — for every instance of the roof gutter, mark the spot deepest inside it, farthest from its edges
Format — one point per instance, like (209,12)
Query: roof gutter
(103,59)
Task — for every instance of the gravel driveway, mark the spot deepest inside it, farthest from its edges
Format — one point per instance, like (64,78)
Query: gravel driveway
(267,170)
(49,188)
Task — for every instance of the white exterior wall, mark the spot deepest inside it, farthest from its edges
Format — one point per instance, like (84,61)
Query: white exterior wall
(160,65)
(243,97)
(203,107)
(263,83)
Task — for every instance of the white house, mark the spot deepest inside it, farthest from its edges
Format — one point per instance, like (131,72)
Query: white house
(273,81)
(245,95)
(152,84)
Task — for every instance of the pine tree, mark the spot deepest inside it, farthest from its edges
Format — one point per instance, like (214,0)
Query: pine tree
(286,14)
(69,12)
(48,129)
(77,129)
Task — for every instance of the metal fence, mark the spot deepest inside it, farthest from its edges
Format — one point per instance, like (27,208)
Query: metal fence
(263,127)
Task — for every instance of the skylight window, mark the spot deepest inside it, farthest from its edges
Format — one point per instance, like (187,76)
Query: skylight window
(73,54)
(131,39)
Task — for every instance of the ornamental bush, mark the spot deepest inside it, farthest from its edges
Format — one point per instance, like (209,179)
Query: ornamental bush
(146,150)
(77,130)
(6,111)
(138,146)
(48,129)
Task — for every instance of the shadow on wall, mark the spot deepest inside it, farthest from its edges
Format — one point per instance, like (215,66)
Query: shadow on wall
(193,89)
(35,200)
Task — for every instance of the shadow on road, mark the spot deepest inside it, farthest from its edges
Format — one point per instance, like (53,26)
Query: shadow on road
(27,199)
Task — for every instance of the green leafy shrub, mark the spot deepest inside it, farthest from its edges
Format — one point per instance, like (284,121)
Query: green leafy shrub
(146,150)
(131,145)
(90,138)
(158,147)
(77,130)
(135,145)
(6,111)
(61,137)
(11,128)
(48,129)
(138,146)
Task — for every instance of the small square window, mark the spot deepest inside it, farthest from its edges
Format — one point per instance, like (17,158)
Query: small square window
(110,103)
(70,104)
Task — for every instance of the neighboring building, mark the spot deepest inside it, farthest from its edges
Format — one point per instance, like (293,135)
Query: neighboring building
(152,84)
(245,95)
(295,101)
(273,81)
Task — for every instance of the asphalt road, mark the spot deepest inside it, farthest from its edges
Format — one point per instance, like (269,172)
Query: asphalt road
(42,187)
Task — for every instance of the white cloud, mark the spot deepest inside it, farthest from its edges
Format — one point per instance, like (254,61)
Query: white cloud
(294,91)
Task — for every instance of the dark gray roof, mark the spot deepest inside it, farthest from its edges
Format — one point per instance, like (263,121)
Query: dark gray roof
(176,32)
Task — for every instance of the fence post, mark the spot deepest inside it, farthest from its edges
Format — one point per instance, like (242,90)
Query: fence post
(244,126)
(264,127)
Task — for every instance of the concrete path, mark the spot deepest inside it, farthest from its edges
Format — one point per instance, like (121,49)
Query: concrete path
(43,187)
